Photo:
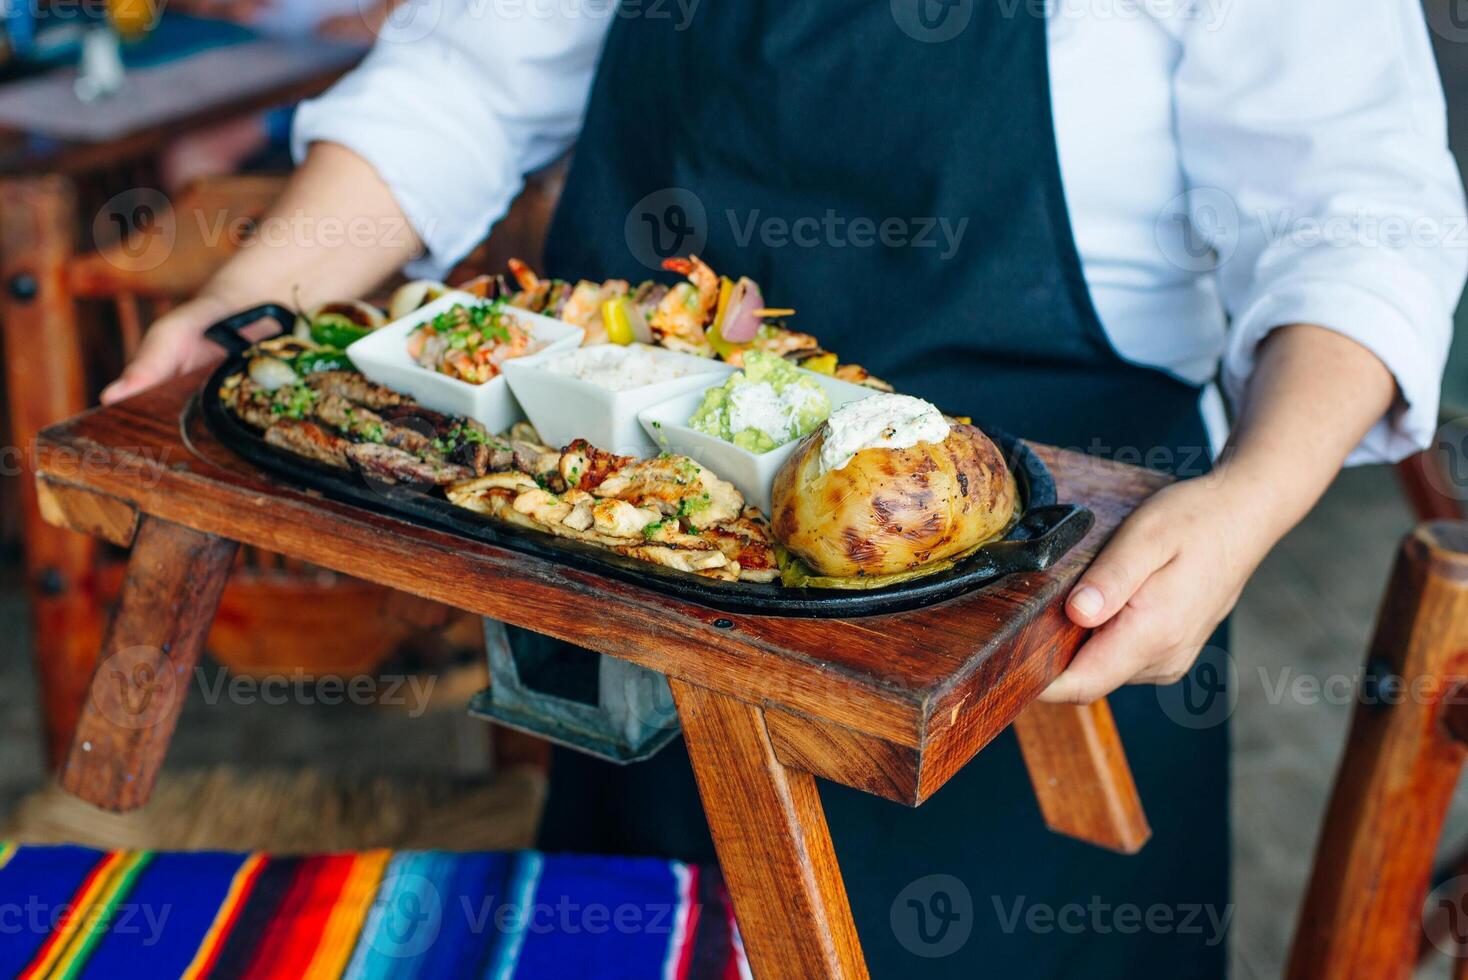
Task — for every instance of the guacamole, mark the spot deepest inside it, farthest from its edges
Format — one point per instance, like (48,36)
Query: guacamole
(768,404)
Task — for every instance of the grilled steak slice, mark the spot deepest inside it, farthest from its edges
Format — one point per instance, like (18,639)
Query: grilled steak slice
(310,440)
(482,458)
(353,387)
(396,465)
(250,404)
(366,425)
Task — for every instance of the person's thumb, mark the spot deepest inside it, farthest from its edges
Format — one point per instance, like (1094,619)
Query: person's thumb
(141,374)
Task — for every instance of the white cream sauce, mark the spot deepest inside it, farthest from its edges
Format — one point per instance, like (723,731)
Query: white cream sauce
(879,422)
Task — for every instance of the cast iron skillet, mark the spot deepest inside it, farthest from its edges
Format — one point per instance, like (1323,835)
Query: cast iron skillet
(1046,530)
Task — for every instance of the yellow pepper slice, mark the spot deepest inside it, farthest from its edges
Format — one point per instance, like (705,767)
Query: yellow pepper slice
(617,318)
(821,364)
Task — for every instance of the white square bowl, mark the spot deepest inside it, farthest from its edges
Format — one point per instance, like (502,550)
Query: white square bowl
(752,473)
(383,357)
(563,408)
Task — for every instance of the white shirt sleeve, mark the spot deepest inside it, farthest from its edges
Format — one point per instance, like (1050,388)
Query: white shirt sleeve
(1314,147)
(455,104)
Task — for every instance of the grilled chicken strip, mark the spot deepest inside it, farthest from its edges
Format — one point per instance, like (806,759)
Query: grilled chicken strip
(353,387)
(494,481)
(542,506)
(747,542)
(675,485)
(710,564)
(619,519)
(310,440)
(396,465)
(584,467)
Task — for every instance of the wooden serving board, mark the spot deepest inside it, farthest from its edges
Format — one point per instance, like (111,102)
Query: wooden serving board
(892,704)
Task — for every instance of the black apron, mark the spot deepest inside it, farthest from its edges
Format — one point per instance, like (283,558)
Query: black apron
(889,169)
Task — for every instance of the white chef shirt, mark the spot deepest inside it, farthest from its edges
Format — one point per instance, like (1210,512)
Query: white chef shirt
(1231,166)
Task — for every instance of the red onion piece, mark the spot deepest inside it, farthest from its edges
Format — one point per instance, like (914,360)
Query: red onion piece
(740,322)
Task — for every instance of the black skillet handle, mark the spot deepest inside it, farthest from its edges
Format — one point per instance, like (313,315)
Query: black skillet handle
(226,333)
(1040,538)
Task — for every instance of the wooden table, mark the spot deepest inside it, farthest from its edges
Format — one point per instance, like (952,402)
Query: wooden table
(893,705)
(49,190)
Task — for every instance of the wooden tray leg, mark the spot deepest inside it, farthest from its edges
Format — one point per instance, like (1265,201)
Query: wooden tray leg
(1362,914)
(773,843)
(44,383)
(1081,776)
(174,579)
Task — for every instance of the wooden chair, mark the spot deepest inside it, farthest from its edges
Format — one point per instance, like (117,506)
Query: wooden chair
(1362,914)
(276,609)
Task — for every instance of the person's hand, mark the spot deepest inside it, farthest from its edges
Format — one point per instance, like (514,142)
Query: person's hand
(1161,586)
(172,346)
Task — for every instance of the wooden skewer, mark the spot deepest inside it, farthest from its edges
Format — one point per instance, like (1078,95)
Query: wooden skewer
(768,312)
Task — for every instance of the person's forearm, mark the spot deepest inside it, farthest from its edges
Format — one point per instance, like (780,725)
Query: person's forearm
(336,233)
(1313,395)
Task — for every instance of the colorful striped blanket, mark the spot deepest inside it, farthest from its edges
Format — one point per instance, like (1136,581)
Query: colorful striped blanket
(74,912)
